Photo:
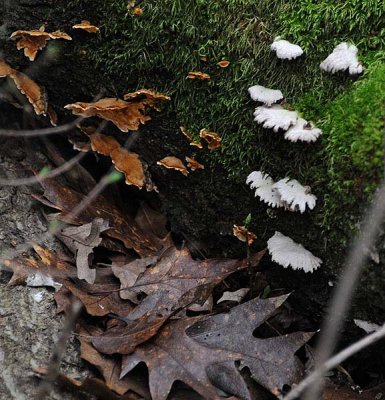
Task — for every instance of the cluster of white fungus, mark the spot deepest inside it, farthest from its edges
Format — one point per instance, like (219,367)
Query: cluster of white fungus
(284,251)
(289,193)
(344,57)
(286,50)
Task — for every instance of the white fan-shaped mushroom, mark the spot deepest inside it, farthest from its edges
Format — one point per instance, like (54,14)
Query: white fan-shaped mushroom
(275,117)
(265,95)
(344,57)
(303,131)
(263,185)
(367,326)
(294,195)
(286,50)
(287,253)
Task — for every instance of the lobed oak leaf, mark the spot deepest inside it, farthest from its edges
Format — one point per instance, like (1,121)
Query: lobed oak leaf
(271,361)
(173,283)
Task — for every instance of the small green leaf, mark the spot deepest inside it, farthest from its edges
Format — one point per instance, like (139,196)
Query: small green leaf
(114,176)
(44,171)
(53,225)
(248,220)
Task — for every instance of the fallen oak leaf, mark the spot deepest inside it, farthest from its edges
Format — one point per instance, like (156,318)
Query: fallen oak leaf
(271,360)
(173,283)
(122,227)
(172,356)
(172,162)
(82,240)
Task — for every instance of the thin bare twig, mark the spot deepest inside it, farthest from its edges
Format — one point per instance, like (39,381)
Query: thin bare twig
(51,174)
(335,361)
(341,300)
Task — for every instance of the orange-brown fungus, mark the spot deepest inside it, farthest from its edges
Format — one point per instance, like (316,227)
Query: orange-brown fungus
(186,132)
(27,87)
(147,97)
(126,162)
(86,26)
(213,139)
(126,116)
(35,40)
(223,63)
(242,233)
(172,162)
(198,75)
(194,164)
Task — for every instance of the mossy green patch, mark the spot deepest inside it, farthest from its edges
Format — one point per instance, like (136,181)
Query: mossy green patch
(173,37)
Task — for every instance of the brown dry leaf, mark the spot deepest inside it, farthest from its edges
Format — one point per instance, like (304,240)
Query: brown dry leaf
(198,75)
(126,116)
(223,63)
(93,386)
(172,162)
(86,26)
(271,361)
(35,40)
(128,275)
(99,299)
(212,138)
(194,164)
(122,226)
(109,367)
(242,233)
(173,283)
(48,263)
(152,222)
(82,240)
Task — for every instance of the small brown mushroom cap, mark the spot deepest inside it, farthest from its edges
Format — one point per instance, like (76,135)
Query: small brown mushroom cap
(223,63)
(172,162)
(86,26)
(194,164)
(213,139)
(242,233)
(198,75)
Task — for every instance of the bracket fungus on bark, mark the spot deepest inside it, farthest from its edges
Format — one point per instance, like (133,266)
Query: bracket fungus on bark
(35,95)
(86,26)
(265,95)
(303,131)
(344,57)
(286,50)
(202,76)
(35,40)
(194,164)
(242,234)
(275,117)
(213,140)
(294,196)
(172,162)
(223,63)
(287,253)
(264,188)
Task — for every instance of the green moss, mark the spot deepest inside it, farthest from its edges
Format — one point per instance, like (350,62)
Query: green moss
(158,49)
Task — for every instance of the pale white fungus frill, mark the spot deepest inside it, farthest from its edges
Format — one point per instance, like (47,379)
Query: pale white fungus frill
(275,117)
(344,57)
(286,50)
(294,195)
(263,185)
(303,131)
(265,95)
(367,326)
(285,252)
